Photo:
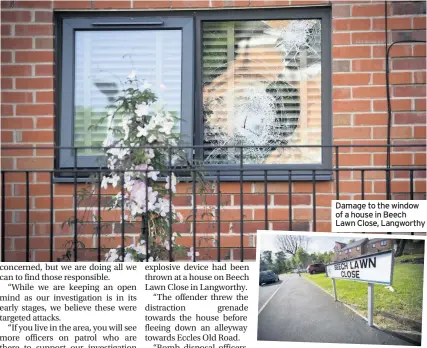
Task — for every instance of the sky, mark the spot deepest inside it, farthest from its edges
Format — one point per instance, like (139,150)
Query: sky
(316,244)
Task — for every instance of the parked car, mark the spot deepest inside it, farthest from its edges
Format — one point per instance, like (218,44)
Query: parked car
(267,277)
(316,268)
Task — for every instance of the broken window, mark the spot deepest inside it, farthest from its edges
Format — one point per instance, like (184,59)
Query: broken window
(262,90)
(252,86)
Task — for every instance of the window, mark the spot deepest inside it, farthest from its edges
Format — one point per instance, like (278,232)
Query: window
(349,250)
(346,251)
(103,59)
(258,80)
(253,88)
(96,57)
(358,248)
(383,243)
(373,245)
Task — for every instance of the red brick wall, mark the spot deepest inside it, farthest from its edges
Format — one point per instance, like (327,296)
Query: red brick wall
(359,117)
(350,254)
(378,247)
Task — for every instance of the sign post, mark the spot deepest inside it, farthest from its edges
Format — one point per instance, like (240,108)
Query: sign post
(370,304)
(371,268)
(335,289)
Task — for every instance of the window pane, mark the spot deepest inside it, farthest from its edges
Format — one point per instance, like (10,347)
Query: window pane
(103,61)
(262,86)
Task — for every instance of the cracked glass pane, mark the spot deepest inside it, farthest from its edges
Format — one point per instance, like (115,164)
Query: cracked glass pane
(262,90)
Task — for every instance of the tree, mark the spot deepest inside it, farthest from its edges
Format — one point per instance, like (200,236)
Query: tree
(302,257)
(289,264)
(267,258)
(280,262)
(351,241)
(320,258)
(313,257)
(289,244)
(328,257)
(293,262)
(400,246)
(263,266)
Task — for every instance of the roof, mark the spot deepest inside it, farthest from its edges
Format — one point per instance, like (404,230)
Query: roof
(377,240)
(356,243)
(339,246)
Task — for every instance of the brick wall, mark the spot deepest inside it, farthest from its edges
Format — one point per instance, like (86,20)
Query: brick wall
(378,247)
(346,255)
(359,117)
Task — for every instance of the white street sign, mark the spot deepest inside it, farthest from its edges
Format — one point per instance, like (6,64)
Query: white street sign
(373,268)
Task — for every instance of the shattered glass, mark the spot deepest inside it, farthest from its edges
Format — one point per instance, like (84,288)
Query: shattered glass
(262,90)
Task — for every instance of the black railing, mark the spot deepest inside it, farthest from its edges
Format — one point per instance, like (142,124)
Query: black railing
(259,198)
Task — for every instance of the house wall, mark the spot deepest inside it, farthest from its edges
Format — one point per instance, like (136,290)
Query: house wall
(337,249)
(359,117)
(353,253)
(378,246)
(339,257)
(367,248)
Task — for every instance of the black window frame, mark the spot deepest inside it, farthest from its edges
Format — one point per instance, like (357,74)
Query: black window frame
(68,24)
(300,172)
(192,109)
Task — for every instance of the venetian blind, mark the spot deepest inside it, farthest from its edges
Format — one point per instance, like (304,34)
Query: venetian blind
(256,83)
(103,61)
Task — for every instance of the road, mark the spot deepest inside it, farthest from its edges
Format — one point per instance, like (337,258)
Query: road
(296,310)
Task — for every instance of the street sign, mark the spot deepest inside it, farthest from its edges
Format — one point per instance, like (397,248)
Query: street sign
(373,268)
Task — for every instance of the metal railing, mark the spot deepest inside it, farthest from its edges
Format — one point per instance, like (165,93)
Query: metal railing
(257,197)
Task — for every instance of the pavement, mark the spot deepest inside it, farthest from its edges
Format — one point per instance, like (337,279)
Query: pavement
(296,310)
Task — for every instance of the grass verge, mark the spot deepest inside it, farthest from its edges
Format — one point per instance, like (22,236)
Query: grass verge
(409,257)
(404,302)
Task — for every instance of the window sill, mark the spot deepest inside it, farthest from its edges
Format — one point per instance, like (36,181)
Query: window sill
(326,176)
(258,178)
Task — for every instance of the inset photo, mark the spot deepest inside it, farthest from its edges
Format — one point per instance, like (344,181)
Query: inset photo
(335,288)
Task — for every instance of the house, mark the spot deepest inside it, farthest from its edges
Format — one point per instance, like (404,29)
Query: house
(361,247)
(290,97)
(346,251)
(378,244)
